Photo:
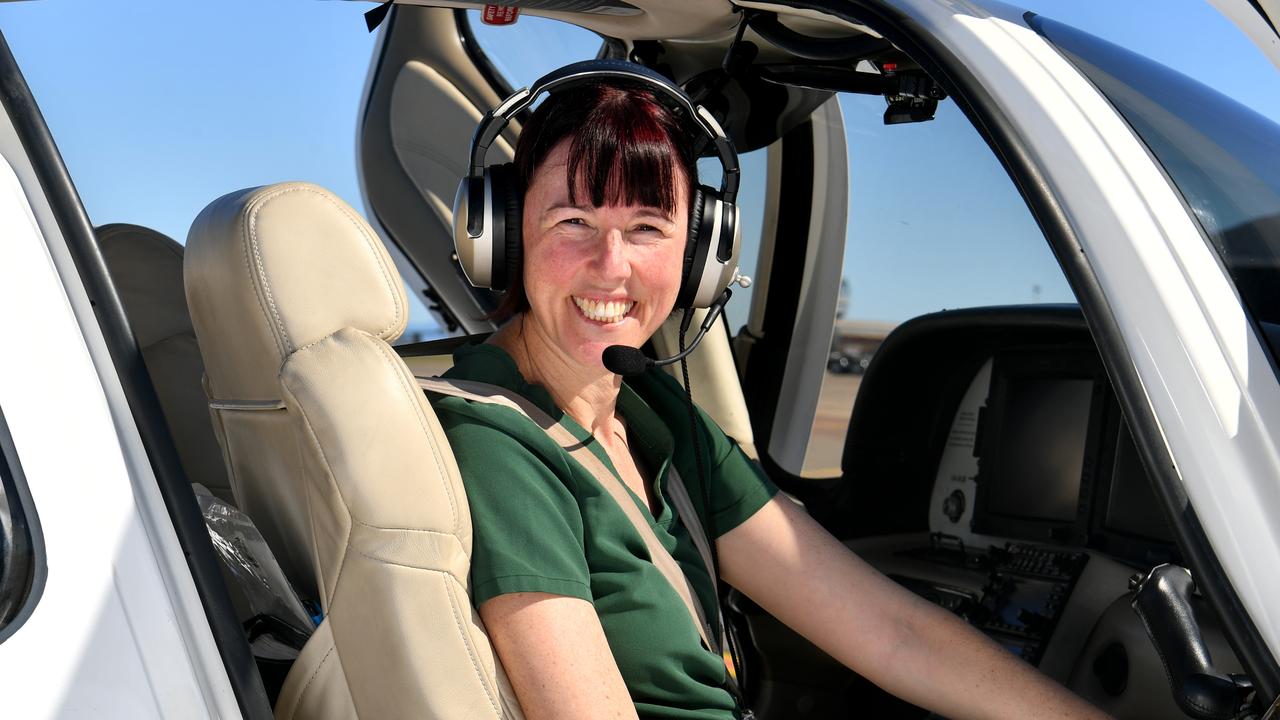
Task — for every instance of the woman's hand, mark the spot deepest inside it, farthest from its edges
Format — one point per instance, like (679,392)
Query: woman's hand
(783,560)
(556,656)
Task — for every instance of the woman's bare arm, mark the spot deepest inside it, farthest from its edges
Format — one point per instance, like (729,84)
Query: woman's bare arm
(782,559)
(556,656)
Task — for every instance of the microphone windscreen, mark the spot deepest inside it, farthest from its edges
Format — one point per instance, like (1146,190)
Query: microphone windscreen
(624,360)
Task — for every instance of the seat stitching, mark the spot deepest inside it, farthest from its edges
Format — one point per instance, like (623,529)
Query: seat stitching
(248,266)
(368,242)
(313,343)
(311,524)
(407,566)
(251,218)
(403,529)
(466,641)
(314,673)
(354,519)
(382,268)
(457,619)
(315,441)
(414,401)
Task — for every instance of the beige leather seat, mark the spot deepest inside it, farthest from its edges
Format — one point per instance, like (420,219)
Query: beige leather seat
(336,455)
(146,268)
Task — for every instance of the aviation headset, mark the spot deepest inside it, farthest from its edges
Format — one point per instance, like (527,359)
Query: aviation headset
(488,207)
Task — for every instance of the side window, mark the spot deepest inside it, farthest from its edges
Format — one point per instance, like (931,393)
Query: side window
(754,170)
(20,567)
(934,223)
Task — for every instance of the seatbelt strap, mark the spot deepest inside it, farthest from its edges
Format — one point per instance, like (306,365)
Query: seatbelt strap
(684,508)
(667,565)
(689,516)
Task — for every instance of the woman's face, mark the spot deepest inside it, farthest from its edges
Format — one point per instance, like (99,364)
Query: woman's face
(602,276)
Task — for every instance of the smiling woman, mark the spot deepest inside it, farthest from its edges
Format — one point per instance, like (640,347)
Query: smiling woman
(605,177)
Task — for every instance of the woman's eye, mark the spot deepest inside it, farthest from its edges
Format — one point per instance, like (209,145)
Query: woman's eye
(645,228)
(573,221)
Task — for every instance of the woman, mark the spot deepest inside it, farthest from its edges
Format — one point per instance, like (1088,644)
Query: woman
(584,624)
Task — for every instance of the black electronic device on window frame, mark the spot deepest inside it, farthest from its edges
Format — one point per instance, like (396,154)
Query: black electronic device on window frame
(1038,445)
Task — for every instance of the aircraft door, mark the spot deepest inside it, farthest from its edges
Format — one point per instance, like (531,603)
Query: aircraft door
(429,85)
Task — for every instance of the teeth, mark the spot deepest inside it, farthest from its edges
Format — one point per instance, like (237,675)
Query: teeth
(610,311)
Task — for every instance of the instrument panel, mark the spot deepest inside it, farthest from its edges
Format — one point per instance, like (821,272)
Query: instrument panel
(989,469)
(1038,450)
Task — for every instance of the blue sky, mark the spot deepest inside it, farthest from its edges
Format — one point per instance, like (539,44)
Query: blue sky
(158,107)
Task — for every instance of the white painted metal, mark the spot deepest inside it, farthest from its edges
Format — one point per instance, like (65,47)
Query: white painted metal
(1251,22)
(119,631)
(958,467)
(819,291)
(1203,369)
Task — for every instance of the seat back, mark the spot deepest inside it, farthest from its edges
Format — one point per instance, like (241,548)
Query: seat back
(146,268)
(331,446)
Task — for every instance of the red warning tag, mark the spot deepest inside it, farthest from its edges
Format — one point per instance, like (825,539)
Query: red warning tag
(499,15)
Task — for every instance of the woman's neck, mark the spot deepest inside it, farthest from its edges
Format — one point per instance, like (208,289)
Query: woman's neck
(588,394)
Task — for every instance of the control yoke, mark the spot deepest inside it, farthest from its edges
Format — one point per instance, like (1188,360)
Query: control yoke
(1162,600)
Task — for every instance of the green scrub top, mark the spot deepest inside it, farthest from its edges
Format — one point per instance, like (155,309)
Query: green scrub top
(542,523)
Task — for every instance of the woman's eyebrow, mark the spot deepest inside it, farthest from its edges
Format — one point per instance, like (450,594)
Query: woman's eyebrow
(644,211)
(568,206)
(654,212)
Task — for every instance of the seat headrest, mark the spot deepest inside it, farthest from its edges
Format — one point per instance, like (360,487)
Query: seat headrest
(146,268)
(272,269)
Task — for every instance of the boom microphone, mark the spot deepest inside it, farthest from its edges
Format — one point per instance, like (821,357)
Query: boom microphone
(628,361)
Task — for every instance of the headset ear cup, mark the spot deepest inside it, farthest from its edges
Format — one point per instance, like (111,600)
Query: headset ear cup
(506,225)
(689,278)
(513,206)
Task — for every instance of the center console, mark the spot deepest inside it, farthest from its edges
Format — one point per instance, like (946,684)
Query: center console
(1016,592)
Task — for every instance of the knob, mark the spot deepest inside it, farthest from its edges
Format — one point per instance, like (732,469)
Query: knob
(953,505)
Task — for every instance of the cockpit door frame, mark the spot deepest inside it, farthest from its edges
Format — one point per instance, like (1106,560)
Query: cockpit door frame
(429,84)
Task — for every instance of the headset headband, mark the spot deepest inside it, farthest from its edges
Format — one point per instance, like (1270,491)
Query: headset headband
(581,73)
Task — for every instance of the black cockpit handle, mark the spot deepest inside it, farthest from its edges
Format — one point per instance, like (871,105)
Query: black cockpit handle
(1162,600)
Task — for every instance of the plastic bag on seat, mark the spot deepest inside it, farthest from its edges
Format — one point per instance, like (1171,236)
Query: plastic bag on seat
(275,619)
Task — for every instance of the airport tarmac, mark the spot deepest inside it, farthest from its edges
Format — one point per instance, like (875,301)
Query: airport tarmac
(826,442)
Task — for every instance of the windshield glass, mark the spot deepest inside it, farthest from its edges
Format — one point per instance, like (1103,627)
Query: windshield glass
(1223,157)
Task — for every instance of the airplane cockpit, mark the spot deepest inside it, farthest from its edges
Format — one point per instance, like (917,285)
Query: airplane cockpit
(979,456)
(913,356)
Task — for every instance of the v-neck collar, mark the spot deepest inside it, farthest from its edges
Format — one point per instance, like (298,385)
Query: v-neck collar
(646,433)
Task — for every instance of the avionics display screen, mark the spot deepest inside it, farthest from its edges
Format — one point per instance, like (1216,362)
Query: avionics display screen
(1131,502)
(1039,456)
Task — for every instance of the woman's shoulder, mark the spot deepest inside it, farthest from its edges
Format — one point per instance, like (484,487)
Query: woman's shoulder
(484,445)
(488,439)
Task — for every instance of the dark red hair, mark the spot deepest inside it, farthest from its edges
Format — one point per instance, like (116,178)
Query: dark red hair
(625,147)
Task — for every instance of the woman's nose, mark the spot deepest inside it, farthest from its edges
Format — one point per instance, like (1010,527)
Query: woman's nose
(612,255)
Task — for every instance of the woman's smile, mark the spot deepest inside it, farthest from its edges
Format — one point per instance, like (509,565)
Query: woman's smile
(604,311)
